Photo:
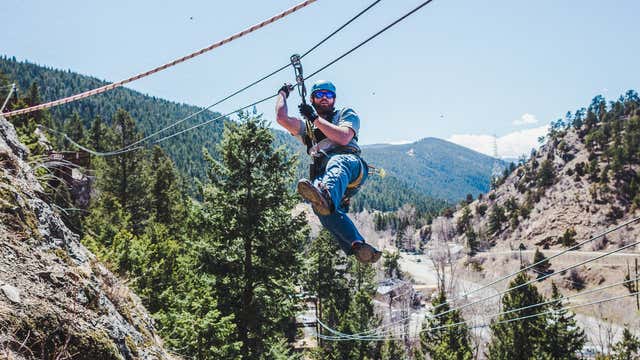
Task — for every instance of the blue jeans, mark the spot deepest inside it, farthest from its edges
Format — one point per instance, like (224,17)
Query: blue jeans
(341,170)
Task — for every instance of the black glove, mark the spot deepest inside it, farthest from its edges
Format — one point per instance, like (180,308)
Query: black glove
(286,88)
(308,112)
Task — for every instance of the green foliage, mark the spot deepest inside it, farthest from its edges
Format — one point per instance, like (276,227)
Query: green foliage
(464,221)
(562,337)
(391,264)
(496,218)
(430,158)
(344,290)
(628,347)
(546,174)
(441,340)
(392,350)
(518,340)
(481,209)
(390,194)
(150,112)
(255,243)
(541,269)
(568,239)
(123,177)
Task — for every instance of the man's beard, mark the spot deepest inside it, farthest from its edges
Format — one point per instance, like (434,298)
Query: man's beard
(325,111)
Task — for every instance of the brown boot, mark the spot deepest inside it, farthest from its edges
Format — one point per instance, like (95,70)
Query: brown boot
(320,200)
(365,253)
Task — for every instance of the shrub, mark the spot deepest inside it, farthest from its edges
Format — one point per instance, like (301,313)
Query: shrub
(568,239)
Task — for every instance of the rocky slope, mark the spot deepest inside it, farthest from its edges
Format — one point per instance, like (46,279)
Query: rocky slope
(540,212)
(56,300)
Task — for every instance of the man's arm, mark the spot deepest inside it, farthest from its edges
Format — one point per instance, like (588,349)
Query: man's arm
(292,124)
(340,135)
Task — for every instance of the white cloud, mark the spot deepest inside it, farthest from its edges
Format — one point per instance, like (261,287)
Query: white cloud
(511,145)
(526,119)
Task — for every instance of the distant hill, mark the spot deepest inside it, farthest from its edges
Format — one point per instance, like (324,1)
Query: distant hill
(435,167)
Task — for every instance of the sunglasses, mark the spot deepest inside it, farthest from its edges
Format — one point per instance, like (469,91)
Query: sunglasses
(321,94)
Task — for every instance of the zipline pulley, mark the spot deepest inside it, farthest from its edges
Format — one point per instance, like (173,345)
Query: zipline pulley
(297,67)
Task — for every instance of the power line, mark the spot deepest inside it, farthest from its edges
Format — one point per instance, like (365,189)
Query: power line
(551,301)
(491,316)
(162,67)
(370,38)
(464,296)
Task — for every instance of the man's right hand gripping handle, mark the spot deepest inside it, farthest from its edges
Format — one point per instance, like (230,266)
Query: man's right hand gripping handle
(285,89)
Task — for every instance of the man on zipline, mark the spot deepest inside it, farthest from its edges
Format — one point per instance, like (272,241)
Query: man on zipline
(337,171)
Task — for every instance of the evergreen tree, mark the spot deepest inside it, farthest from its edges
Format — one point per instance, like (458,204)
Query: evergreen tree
(391,264)
(98,134)
(325,277)
(254,242)
(563,339)
(123,176)
(392,350)
(446,342)
(74,129)
(360,315)
(164,193)
(546,174)
(541,269)
(518,340)
(628,347)
(496,218)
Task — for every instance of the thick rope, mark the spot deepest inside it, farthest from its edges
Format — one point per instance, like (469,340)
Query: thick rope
(162,67)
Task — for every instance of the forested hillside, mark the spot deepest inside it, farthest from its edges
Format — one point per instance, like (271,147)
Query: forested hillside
(436,167)
(151,113)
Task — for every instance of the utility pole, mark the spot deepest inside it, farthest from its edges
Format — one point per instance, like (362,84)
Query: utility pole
(496,170)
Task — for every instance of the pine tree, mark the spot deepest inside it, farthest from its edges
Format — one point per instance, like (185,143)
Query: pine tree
(542,269)
(254,242)
(496,219)
(391,265)
(98,134)
(74,129)
(446,342)
(628,347)
(325,278)
(518,340)
(392,350)
(563,339)
(360,315)
(164,193)
(123,176)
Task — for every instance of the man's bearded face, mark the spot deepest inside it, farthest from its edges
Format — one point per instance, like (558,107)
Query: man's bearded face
(323,105)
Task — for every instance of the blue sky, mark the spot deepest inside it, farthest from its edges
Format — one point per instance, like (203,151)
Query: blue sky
(458,69)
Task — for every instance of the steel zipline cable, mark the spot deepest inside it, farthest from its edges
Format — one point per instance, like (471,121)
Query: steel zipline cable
(274,95)
(278,70)
(213,46)
(133,146)
(315,72)
(377,329)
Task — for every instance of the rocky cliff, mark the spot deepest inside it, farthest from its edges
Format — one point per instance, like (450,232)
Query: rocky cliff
(57,301)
